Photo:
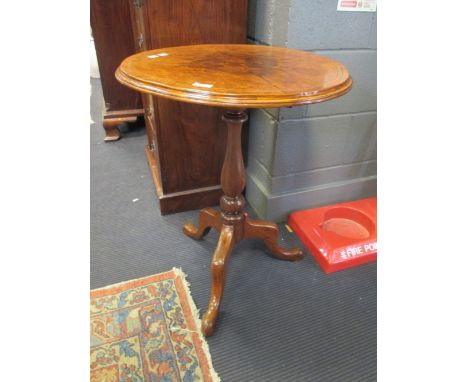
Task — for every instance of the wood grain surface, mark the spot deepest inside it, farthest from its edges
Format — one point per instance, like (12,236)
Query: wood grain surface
(236,75)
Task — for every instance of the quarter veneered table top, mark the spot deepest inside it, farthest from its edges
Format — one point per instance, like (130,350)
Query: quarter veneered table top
(246,76)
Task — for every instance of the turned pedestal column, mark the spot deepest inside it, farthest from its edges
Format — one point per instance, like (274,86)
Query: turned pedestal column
(232,222)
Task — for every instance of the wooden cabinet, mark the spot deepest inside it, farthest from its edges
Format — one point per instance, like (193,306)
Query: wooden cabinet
(186,143)
(114,40)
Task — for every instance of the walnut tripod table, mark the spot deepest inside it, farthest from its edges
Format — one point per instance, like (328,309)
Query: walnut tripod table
(235,77)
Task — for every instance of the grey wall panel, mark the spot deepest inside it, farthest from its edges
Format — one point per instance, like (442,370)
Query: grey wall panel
(257,195)
(318,154)
(373,35)
(261,174)
(303,180)
(268,21)
(318,25)
(362,65)
(304,145)
(262,137)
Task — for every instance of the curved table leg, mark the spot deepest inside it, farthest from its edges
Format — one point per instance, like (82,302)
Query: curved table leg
(268,232)
(232,221)
(208,218)
(218,263)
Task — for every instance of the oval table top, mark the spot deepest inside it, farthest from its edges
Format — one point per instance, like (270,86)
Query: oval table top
(235,76)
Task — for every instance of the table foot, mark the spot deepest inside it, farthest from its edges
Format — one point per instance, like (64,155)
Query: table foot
(269,233)
(208,218)
(218,263)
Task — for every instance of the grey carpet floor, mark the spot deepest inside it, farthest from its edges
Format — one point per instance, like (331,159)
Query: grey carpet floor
(279,321)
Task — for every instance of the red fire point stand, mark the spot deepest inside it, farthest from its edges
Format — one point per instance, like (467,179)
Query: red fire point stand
(339,236)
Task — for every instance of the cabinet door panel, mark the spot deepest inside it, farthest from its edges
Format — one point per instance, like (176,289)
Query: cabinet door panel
(192,142)
(189,22)
(191,138)
(113,39)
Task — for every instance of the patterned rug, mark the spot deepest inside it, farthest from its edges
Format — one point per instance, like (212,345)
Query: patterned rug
(147,330)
